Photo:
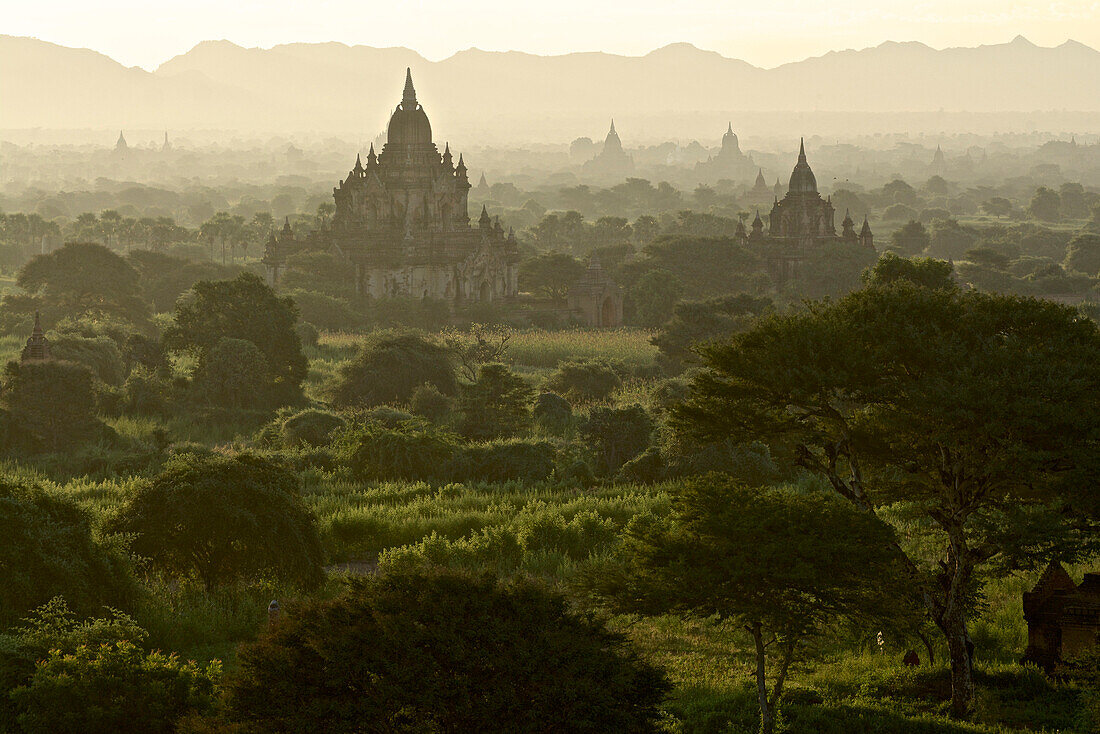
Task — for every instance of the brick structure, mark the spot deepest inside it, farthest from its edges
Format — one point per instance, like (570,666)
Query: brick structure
(1063,619)
(402,226)
(595,299)
(38,346)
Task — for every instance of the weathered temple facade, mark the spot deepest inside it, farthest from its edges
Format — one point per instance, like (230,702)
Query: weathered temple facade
(402,225)
(800,223)
(1063,618)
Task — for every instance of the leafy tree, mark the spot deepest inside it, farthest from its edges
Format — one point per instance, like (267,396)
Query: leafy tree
(645,229)
(654,296)
(784,567)
(235,374)
(910,239)
(583,380)
(242,308)
(47,550)
(497,404)
(713,266)
(100,355)
(1072,202)
(976,412)
(84,278)
(923,271)
(428,402)
(997,206)
(1083,253)
(51,406)
(616,435)
(389,367)
(443,651)
(1045,205)
(224,518)
(113,687)
(950,241)
(550,275)
(696,323)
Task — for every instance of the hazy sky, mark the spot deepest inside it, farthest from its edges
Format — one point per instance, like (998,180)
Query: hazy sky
(149,32)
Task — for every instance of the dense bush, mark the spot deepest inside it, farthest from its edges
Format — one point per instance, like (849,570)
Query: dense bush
(309,428)
(99,354)
(235,374)
(374,452)
(47,550)
(51,406)
(428,402)
(496,404)
(505,461)
(585,380)
(307,334)
(113,687)
(224,518)
(325,312)
(616,435)
(443,651)
(389,367)
(551,411)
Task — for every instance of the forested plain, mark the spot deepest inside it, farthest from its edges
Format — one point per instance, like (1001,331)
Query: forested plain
(228,507)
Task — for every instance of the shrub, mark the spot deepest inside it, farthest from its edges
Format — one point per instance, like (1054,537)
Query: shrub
(224,518)
(428,402)
(376,453)
(443,651)
(51,405)
(552,411)
(505,461)
(101,689)
(325,311)
(98,354)
(389,367)
(307,334)
(496,404)
(144,393)
(616,435)
(310,428)
(47,550)
(235,374)
(585,380)
(645,468)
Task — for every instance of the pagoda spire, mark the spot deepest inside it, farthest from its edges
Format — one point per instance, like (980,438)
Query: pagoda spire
(729,128)
(372,158)
(408,99)
(612,130)
(801,150)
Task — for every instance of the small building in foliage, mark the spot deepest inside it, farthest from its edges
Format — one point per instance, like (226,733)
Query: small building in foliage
(1063,618)
(596,300)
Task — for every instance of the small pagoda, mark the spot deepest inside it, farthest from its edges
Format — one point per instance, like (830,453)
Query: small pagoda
(38,346)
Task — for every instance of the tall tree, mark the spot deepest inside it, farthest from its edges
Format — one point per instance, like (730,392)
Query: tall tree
(785,567)
(242,308)
(980,413)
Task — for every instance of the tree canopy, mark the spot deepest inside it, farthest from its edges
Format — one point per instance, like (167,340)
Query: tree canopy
(443,651)
(979,412)
(242,308)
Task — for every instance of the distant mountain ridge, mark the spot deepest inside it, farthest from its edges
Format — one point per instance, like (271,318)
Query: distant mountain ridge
(332,87)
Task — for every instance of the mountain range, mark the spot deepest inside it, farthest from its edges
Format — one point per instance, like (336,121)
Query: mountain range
(333,88)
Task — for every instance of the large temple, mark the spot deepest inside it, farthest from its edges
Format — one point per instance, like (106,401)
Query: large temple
(801,223)
(402,225)
(729,162)
(612,161)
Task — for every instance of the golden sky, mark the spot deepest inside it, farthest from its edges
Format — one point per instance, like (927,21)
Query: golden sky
(148,32)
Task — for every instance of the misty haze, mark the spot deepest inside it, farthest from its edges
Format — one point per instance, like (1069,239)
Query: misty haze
(483,368)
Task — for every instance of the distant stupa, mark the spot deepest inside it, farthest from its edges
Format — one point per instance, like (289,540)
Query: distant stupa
(38,347)
(120,145)
(166,146)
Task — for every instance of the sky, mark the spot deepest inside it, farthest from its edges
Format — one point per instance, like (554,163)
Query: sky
(147,33)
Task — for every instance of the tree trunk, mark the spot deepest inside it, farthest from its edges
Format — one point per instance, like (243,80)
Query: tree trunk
(767,718)
(956,577)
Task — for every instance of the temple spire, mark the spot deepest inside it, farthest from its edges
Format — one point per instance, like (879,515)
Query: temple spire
(729,129)
(612,130)
(801,150)
(408,99)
